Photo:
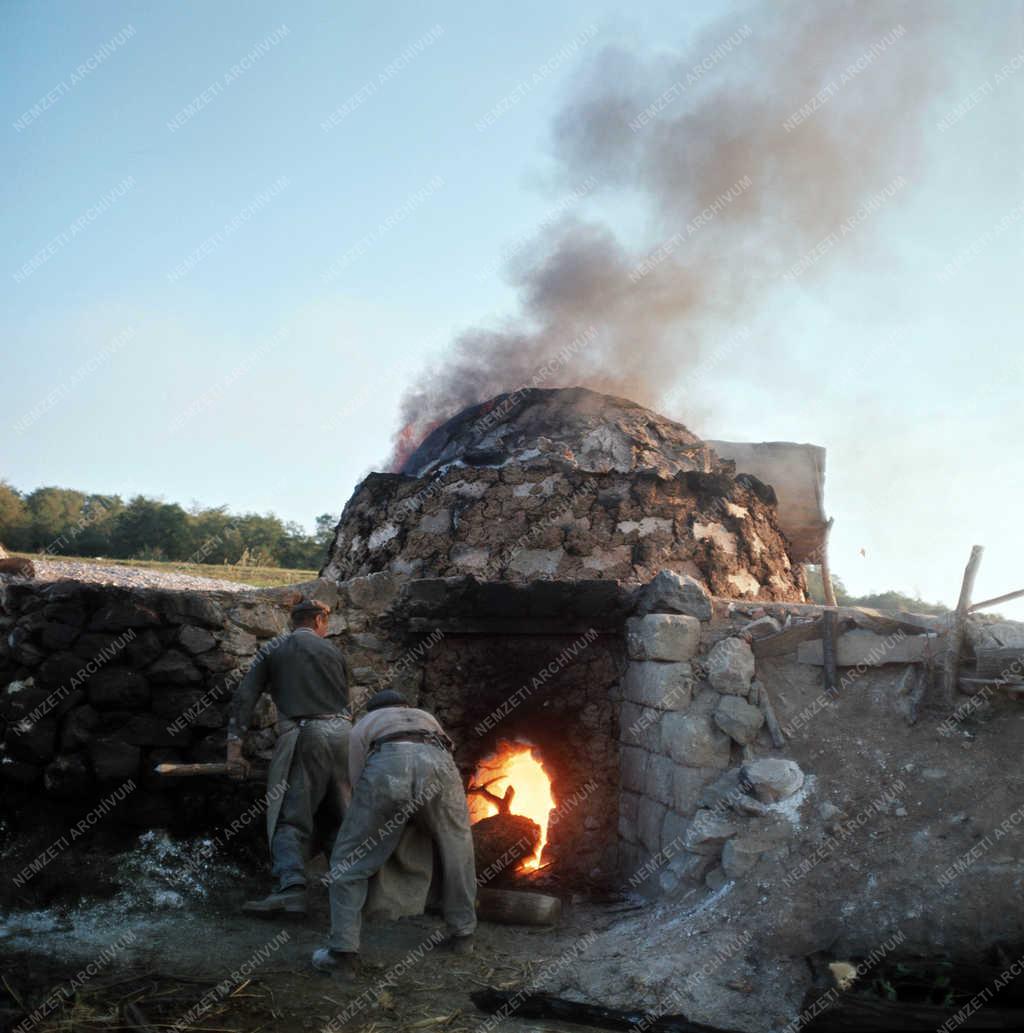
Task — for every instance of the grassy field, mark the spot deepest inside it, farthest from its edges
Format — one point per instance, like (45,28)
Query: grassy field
(261,577)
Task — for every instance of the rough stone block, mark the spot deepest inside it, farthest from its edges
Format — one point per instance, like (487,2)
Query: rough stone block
(217,661)
(374,593)
(195,640)
(119,688)
(741,853)
(78,727)
(730,666)
(652,683)
(262,620)
(662,636)
(67,777)
(694,740)
(121,615)
(150,730)
(62,670)
(761,628)
(629,809)
(32,741)
(670,592)
(18,771)
(114,759)
(658,779)
(687,786)
(234,640)
(174,668)
(738,719)
(189,608)
(58,636)
(650,816)
(536,562)
(771,779)
(632,768)
(673,833)
(640,726)
(141,649)
(707,832)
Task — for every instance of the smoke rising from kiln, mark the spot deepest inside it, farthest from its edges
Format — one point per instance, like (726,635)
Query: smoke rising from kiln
(751,148)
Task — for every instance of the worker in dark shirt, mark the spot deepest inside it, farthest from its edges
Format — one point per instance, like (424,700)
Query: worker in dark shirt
(308,784)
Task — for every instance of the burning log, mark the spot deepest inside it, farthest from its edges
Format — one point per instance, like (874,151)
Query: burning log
(501,843)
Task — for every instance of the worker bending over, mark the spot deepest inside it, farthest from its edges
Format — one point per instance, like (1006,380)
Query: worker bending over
(402,771)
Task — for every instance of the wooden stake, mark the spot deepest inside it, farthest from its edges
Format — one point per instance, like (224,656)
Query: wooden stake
(829,637)
(956,632)
(826,572)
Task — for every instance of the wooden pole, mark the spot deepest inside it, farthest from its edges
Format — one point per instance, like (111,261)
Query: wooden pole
(986,603)
(956,632)
(826,571)
(829,646)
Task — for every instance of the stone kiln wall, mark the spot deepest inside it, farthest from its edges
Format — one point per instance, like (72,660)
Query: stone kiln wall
(521,522)
(693,791)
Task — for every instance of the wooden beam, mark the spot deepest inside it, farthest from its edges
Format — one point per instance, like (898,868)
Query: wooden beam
(956,634)
(826,570)
(986,603)
(787,640)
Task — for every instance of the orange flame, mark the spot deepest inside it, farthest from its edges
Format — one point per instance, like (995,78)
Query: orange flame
(515,764)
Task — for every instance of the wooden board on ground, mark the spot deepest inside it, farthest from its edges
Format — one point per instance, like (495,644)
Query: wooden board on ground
(787,640)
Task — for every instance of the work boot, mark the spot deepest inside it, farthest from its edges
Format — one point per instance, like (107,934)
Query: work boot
(291,901)
(339,964)
(458,944)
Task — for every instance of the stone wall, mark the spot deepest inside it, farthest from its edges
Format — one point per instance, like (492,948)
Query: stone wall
(523,522)
(99,684)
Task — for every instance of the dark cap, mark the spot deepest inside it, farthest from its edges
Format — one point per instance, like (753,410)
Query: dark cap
(386,698)
(309,608)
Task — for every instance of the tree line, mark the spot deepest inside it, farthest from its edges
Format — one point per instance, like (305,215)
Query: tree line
(63,521)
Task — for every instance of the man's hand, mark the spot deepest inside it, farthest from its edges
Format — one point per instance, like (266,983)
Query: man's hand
(238,766)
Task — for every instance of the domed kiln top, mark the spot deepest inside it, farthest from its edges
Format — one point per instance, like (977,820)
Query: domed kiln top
(592,431)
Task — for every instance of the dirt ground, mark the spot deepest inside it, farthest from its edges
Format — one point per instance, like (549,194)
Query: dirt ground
(179,955)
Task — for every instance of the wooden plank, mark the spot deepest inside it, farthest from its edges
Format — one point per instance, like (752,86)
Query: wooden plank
(1000,662)
(956,634)
(826,570)
(787,640)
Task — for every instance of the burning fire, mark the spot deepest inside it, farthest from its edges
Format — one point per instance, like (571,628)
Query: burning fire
(514,764)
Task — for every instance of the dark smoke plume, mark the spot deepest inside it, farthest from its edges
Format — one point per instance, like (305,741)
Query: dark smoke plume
(771,135)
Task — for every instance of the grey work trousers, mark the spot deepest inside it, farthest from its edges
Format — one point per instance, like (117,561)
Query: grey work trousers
(402,782)
(315,801)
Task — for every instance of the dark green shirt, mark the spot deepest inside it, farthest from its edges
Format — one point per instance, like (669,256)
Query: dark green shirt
(304,674)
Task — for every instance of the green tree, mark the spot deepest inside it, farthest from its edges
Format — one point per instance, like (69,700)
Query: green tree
(15,530)
(150,529)
(55,515)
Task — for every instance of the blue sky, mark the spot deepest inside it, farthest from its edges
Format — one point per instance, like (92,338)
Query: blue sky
(254,380)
